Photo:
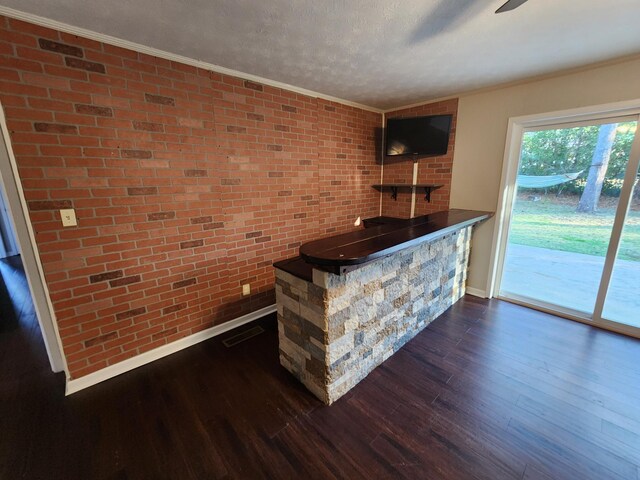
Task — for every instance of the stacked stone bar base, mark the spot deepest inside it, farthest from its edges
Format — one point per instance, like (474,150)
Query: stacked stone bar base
(335,330)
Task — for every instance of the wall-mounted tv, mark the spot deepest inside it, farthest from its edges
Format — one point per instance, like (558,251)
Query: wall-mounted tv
(428,136)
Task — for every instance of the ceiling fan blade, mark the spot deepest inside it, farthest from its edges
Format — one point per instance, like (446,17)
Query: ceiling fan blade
(510,5)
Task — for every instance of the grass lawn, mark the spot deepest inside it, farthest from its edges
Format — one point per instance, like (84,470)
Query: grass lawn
(553,223)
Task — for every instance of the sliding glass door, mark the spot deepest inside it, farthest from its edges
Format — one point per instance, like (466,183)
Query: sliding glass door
(573,223)
(622,301)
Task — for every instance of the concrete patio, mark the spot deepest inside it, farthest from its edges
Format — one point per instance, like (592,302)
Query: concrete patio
(571,280)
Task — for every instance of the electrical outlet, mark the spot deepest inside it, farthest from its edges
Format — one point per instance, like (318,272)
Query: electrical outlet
(246,289)
(68,217)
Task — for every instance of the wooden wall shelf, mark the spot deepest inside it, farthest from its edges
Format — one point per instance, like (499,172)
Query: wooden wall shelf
(395,187)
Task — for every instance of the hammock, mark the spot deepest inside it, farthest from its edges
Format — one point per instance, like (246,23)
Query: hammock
(544,181)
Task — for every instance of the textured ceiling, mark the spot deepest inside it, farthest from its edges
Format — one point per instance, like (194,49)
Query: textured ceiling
(381,53)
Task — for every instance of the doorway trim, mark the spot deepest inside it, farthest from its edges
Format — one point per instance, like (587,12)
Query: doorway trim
(25,238)
(513,144)
(8,247)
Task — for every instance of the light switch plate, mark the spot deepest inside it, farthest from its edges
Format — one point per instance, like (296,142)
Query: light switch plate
(246,289)
(68,217)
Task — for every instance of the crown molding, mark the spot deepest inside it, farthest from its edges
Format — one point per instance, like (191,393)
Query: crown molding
(421,103)
(118,42)
(522,81)
(99,37)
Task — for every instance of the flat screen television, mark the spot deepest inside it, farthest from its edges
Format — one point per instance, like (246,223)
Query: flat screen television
(428,136)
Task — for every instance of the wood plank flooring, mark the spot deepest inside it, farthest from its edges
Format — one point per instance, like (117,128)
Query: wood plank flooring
(490,390)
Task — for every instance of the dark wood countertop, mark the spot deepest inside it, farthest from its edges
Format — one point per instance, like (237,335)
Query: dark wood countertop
(362,246)
(297,267)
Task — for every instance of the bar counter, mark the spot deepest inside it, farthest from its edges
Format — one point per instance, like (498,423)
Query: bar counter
(350,301)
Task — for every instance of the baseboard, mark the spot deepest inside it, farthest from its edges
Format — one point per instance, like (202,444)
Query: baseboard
(476,292)
(76,384)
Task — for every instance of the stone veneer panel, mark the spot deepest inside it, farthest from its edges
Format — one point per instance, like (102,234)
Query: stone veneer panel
(335,330)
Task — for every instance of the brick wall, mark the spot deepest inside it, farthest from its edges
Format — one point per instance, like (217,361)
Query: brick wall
(430,169)
(347,149)
(186,184)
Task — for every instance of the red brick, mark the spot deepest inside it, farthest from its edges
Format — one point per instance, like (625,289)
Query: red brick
(131,313)
(50,205)
(213,226)
(195,173)
(125,281)
(100,339)
(94,110)
(191,244)
(62,48)
(165,204)
(199,220)
(142,190)
(174,308)
(101,277)
(161,216)
(148,126)
(136,153)
(55,128)
(159,99)
(184,283)
(253,85)
(84,65)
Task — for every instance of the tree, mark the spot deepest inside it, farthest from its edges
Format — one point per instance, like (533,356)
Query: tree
(555,151)
(599,163)
(567,150)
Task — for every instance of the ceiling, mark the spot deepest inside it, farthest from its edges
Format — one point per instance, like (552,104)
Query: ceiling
(379,53)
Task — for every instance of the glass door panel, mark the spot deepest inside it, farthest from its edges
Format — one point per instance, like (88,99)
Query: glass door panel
(565,203)
(622,304)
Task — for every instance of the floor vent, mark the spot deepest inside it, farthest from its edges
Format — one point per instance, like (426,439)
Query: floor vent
(242,336)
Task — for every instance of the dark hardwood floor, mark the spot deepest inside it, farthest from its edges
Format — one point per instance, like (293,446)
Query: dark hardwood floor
(490,390)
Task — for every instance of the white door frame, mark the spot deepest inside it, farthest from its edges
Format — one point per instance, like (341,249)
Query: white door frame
(24,236)
(513,146)
(8,245)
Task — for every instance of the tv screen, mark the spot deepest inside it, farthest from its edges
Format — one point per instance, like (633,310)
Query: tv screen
(418,136)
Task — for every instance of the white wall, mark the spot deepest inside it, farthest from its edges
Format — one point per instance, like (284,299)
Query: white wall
(481,135)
